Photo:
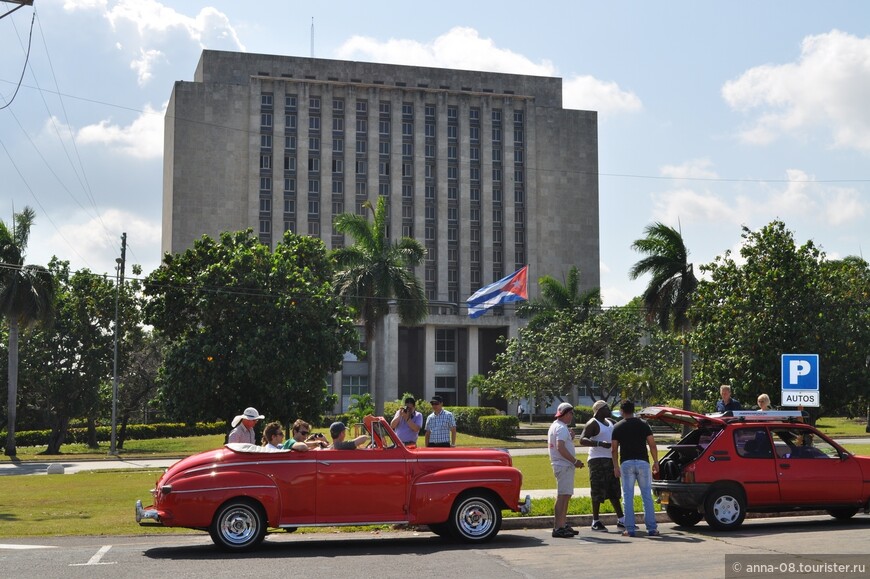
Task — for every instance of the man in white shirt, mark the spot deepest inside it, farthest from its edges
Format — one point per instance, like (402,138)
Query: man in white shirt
(560,443)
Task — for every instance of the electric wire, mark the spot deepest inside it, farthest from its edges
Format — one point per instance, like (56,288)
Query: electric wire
(26,60)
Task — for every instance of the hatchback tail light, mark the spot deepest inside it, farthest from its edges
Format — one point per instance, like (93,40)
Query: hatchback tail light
(688,476)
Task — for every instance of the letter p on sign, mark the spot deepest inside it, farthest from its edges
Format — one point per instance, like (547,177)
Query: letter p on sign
(796,369)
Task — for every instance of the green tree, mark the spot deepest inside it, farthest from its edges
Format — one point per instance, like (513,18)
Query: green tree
(372,272)
(247,326)
(63,365)
(557,296)
(603,352)
(668,294)
(26,298)
(361,405)
(782,298)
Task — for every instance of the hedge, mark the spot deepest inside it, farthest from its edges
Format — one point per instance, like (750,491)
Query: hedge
(133,432)
(503,427)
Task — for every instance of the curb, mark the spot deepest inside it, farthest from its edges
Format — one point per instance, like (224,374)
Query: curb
(609,519)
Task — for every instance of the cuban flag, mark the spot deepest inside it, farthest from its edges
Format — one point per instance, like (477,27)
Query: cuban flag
(512,288)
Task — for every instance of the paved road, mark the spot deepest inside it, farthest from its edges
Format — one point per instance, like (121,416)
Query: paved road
(699,552)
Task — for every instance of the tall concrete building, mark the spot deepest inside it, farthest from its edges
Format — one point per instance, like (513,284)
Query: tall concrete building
(487,170)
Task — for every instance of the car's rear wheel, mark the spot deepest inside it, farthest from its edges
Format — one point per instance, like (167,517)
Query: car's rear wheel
(725,507)
(238,525)
(684,517)
(475,517)
(844,513)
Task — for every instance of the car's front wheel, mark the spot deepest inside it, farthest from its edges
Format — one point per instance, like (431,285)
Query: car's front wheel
(475,517)
(684,517)
(843,514)
(725,507)
(238,525)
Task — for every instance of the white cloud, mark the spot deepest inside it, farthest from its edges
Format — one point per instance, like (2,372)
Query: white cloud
(589,93)
(800,198)
(144,65)
(826,88)
(464,48)
(460,47)
(141,139)
(693,169)
(844,206)
(149,30)
(689,205)
(95,242)
(72,5)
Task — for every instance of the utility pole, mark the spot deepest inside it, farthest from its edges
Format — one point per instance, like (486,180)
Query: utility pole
(119,281)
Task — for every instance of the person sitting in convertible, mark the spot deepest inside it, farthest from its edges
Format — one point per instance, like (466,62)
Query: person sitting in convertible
(338,431)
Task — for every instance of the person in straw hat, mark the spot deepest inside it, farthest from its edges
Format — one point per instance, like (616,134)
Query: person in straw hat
(243,426)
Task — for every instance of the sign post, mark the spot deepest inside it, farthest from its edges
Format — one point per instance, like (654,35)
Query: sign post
(800,380)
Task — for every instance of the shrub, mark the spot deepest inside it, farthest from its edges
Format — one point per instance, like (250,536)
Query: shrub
(503,427)
(134,432)
(467,417)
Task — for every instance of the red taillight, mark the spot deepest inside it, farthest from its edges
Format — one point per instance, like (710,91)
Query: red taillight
(688,476)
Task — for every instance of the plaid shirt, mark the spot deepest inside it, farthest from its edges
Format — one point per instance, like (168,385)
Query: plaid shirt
(439,426)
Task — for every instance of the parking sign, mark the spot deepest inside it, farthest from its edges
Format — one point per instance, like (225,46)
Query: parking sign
(800,379)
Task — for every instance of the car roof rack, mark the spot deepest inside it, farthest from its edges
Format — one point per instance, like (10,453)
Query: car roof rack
(761,415)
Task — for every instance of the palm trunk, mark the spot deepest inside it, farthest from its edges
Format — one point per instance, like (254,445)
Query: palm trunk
(12,400)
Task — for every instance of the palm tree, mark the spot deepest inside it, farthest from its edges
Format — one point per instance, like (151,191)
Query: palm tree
(26,297)
(372,272)
(669,293)
(557,296)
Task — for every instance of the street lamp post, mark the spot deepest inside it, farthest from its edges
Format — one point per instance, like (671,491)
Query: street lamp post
(119,279)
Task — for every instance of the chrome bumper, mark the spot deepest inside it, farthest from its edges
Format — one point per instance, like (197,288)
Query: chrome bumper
(146,515)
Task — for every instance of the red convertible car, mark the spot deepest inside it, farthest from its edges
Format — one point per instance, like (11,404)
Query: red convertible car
(738,462)
(239,491)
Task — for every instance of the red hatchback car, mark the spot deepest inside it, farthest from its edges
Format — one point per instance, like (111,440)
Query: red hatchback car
(239,491)
(770,461)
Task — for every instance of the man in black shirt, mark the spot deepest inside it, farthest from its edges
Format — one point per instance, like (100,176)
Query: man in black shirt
(630,438)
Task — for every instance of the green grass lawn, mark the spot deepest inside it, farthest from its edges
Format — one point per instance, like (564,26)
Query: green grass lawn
(101,502)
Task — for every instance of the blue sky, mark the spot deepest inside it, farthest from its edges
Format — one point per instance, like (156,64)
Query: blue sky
(712,115)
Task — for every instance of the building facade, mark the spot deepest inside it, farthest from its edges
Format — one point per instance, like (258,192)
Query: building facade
(487,170)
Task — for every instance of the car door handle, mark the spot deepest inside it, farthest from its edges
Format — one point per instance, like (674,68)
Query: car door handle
(784,465)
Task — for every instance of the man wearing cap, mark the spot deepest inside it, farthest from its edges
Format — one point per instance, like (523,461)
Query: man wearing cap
(440,425)
(560,443)
(243,426)
(597,434)
(337,430)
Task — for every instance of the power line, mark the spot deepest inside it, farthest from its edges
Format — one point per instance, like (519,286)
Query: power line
(26,59)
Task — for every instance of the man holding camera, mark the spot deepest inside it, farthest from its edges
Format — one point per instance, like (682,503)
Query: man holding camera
(407,422)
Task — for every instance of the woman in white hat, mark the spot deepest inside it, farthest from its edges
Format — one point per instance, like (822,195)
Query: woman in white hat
(243,426)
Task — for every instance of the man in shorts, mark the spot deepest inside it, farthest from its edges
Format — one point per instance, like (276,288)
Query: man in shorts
(597,434)
(560,443)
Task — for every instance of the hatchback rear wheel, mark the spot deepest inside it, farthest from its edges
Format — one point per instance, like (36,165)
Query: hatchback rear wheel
(725,507)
